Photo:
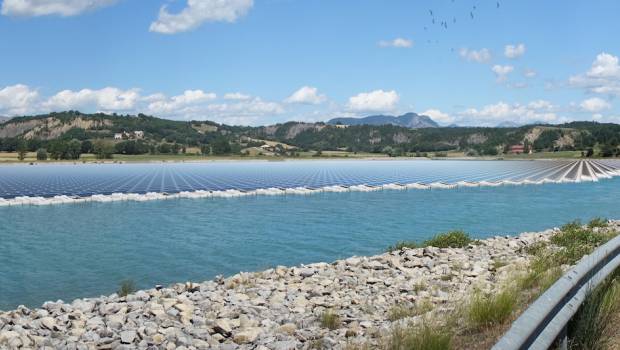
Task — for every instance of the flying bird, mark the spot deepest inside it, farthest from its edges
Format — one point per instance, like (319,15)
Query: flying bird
(472,15)
(431,12)
(498,4)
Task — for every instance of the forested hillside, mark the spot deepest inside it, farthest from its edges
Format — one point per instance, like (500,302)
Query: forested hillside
(62,134)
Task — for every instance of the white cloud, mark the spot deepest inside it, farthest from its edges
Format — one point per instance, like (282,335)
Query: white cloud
(398,42)
(594,104)
(199,11)
(529,73)
(374,101)
(480,56)
(603,76)
(17,100)
(439,116)
(166,105)
(236,96)
(106,99)
(502,71)
(234,108)
(33,8)
(514,51)
(491,115)
(306,95)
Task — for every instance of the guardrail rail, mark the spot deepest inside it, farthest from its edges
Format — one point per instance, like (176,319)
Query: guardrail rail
(546,319)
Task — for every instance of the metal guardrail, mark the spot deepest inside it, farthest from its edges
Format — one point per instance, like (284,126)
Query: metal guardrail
(546,319)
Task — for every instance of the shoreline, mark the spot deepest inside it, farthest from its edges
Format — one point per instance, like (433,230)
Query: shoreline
(285,308)
(282,307)
(278,308)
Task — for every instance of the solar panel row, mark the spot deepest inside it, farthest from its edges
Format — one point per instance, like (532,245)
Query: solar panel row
(85,180)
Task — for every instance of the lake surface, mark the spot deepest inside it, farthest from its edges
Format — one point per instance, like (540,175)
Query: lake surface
(85,250)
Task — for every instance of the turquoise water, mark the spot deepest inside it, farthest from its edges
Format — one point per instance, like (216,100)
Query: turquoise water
(85,250)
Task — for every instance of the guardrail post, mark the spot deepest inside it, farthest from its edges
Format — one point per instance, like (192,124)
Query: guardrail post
(563,339)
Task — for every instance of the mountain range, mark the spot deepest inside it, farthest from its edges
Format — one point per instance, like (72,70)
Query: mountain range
(408,120)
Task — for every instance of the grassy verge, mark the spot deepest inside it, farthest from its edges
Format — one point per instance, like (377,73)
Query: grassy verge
(486,316)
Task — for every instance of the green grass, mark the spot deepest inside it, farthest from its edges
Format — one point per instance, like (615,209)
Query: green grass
(485,311)
(419,337)
(588,329)
(451,239)
(126,287)
(577,241)
(330,320)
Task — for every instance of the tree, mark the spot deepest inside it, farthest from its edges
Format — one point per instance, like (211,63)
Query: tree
(57,149)
(103,149)
(74,150)
(221,146)
(41,154)
(87,146)
(21,150)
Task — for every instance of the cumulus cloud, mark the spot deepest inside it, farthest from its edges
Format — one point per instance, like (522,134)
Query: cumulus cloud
(501,72)
(236,96)
(198,105)
(33,8)
(480,56)
(514,51)
(493,114)
(439,116)
(198,12)
(160,104)
(594,104)
(398,42)
(374,101)
(18,100)
(106,99)
(306,95)
(234,108)
(603,76)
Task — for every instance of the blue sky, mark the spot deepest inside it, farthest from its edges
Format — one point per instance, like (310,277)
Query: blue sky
(265,61)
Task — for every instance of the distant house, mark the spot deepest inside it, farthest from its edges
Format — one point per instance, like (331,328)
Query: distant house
(268,148)
(341,126)
(139,134)
(118,136)
(517,149)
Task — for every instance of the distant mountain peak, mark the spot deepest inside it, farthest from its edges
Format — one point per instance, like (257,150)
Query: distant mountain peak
(407,120)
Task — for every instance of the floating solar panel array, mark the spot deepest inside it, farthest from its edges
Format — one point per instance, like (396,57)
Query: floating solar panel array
(55,184)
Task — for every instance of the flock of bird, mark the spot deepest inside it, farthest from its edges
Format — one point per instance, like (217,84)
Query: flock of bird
(444,23)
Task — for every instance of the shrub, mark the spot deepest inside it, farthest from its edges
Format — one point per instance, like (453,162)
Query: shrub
(401,245)
(330,320)
(577,241)
(490,310)
(126,287)
(452,239)
(597,222)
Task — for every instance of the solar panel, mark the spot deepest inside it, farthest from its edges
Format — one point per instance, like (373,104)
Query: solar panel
(222,178)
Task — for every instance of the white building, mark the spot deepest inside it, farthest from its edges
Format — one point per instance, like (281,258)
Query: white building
(118,136)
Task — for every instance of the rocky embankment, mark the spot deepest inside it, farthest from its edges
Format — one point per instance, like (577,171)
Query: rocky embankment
(280,308)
